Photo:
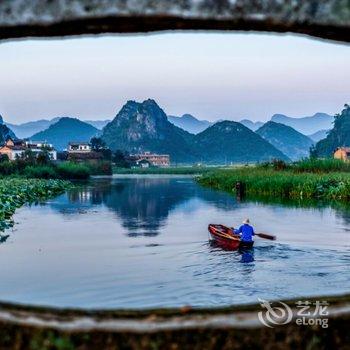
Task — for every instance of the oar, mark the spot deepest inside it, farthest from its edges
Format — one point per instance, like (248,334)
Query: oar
(266,236)
(262,235)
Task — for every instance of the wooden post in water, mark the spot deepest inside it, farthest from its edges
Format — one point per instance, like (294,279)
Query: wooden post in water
(240,190)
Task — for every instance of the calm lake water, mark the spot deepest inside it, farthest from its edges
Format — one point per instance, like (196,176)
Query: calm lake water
(141,242)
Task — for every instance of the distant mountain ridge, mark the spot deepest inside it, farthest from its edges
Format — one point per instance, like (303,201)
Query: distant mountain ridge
(98,124)
(140,127)
(306,125)
(251,125)
(66,130)
(319,135)
(193,125)
(289,141)
(189,123)
(134,133)
(28,129)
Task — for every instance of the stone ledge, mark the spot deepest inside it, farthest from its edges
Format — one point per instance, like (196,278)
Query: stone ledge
(328,19)
(225,328)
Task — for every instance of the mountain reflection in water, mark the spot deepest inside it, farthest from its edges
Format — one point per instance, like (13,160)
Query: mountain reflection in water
(142,242)
(142,204)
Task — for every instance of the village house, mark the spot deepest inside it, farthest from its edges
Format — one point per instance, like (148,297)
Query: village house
(16,148)
(148,159)
(79,147)
(38,146)
(82,152)
(13,149)
(342,153)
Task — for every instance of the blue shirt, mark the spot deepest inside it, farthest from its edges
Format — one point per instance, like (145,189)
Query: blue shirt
(247,232)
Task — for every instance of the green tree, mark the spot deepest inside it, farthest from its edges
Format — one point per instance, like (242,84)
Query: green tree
(43,157)
(29,157)
(339,136)
(97,144)
(4,158)
(120,159)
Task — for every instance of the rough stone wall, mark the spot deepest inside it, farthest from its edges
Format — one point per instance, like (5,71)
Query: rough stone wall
(236,327)
(328,19)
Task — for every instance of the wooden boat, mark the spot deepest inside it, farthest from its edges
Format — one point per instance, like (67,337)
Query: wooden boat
(222,236)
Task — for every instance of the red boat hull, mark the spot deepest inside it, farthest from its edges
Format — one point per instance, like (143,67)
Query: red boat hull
(223,237)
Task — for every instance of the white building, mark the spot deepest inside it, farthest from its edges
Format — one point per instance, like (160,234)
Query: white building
(16,148)
(38,146)
(79,147)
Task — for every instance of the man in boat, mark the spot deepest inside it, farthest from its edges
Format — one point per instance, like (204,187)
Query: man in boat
(246,231)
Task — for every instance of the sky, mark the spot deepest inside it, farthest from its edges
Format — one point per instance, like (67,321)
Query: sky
(209,75)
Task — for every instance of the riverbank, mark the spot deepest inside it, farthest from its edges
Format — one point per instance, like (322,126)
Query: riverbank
(14,192)
(267,182)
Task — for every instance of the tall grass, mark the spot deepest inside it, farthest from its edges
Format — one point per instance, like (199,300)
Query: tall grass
(321,166)
(100,168)
(40,172)
(65,170)
(72,171)
(309,165)
(282,184)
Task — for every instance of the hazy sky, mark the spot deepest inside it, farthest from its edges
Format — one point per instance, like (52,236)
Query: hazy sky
(212,76)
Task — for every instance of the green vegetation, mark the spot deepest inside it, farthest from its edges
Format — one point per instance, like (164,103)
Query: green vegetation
(309,165)
(166,171)
(48,170)
(15,192)
(66,170)
(337,137)
(40,172)
(70,170)
(314,165)
(303,180)
(103,167)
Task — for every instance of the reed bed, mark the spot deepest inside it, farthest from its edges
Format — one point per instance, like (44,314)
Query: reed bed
(266,182)
(320,166)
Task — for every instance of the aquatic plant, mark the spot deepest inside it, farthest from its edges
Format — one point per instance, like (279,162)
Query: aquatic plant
(308,165)
(283,184)
(14,192)
(314,165)
(70,170)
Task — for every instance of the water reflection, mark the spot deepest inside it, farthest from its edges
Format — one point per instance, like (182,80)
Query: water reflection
(143,242)
(142,204)
(247,255)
